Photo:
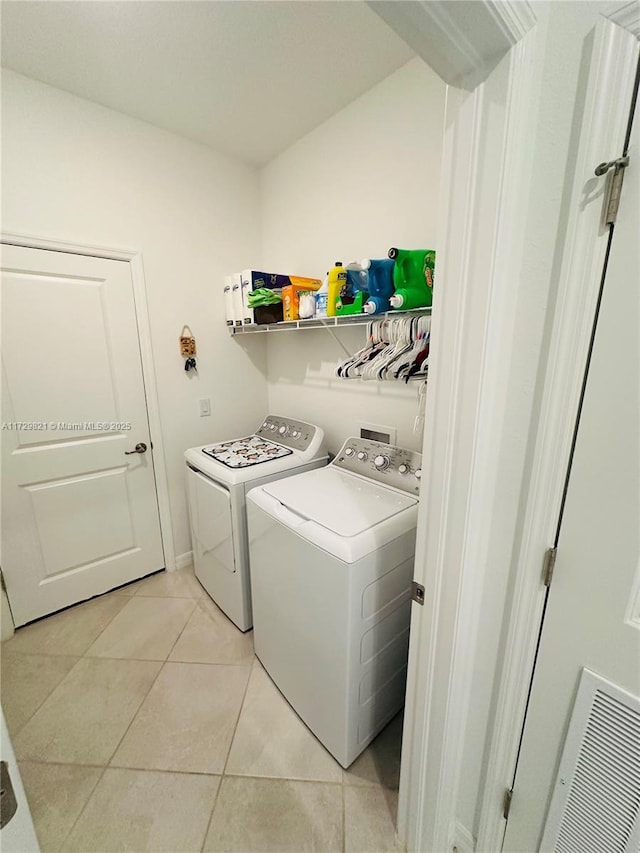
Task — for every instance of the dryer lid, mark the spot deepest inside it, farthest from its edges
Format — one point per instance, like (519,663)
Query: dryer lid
(341,502)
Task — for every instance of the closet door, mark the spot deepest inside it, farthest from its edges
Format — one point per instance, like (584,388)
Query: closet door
(591,630)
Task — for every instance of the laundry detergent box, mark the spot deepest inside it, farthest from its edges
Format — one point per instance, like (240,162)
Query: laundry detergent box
(291,294)
(266,311)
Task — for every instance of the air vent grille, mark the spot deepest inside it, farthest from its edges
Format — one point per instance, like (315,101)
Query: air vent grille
(596,803)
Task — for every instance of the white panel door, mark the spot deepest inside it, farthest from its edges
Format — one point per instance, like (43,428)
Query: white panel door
(79,515)
(593,610)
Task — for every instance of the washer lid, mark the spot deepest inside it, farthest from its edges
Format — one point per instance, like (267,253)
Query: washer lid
(342,503)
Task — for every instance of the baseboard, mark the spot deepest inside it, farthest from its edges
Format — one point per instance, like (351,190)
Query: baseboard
(184,560)
(463,841)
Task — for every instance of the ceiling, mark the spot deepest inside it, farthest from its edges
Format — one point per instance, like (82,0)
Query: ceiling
(245,77)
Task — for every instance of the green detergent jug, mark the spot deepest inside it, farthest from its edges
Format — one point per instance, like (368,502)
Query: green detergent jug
(412,278)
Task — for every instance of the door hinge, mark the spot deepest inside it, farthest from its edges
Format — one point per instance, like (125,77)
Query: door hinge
(506,803)
(548,565)
(615,186)
(417,592)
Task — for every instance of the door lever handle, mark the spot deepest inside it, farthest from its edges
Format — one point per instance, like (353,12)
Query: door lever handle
(141,447)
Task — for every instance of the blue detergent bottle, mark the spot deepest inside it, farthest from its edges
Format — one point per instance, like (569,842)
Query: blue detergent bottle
(380,284)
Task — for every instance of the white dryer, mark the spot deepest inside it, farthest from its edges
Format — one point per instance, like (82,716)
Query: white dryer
(218,475)
(332,556)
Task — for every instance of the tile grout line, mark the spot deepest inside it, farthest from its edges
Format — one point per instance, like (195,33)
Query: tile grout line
(226,761)
(137,711)
(68,610)
(77,661)
(199,773)
(15,734)
(235,728)
(82,810)
(184,627)
(213,808)
(140,660)
(104,598)
(131,597)
(285,779)
(163,664)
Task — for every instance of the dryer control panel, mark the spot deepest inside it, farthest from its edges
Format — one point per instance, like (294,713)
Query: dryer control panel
(297,435)
(384,463)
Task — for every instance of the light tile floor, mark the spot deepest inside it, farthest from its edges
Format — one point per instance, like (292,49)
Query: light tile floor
(142,721)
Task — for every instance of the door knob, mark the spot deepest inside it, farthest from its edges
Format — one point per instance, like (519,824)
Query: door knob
(141,447)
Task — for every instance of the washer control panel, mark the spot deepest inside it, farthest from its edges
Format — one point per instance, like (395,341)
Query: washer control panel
(295,434)
(384,463)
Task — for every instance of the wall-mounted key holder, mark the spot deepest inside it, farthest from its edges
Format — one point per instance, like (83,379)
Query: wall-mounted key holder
(188,348)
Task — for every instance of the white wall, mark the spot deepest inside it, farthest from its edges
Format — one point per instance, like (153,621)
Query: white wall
(77,172)
(363,181)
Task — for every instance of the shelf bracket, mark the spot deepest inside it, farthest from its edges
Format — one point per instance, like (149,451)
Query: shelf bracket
(337,340)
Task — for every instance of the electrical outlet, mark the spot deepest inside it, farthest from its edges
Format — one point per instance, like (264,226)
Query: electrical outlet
(205,407)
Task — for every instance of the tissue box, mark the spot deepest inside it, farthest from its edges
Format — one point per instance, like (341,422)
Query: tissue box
(291,295)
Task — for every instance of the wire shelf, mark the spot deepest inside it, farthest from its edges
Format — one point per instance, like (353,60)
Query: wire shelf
(323,322)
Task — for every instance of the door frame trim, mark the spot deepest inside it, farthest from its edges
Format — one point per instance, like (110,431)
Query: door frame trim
(134,259)
(466,403)
(613,65)
(460,459)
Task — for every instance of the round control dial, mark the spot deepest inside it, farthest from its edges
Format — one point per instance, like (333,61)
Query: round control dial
(282,430)
(418,473)
(403,469)
(349,451)
(296,433)
(362,456)
(272,427)
(381,462)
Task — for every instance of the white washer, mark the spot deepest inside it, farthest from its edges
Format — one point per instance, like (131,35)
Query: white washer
(332,556)
(218,475)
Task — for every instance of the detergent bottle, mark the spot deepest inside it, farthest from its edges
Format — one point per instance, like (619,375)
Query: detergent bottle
(380,284)
(354,293)
(337,280)
(412,277)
